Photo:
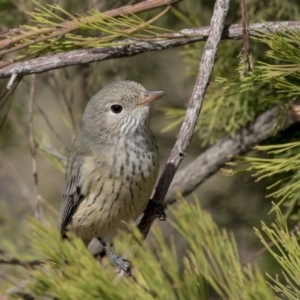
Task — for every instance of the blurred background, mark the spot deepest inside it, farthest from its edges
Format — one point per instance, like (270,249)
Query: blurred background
(236,203)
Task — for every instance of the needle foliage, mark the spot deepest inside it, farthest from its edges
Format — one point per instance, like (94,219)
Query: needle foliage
(210,266)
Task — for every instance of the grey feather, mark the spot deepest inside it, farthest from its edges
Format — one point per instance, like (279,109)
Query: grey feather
(72,191)
(72,196)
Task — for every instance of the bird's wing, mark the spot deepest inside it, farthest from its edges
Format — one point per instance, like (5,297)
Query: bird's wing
(72,196)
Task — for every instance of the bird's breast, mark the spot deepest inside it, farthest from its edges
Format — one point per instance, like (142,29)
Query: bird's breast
(117,186)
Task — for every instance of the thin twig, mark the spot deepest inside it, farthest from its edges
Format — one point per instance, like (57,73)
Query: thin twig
(132,47)
(245,55)
(194,106)
(49,124)
(12,79)
(62,98)
(140,7)
(68,103)
(4,98)
(37,208)
(17,262)
(14,176)
(11,260)
(49,206)
(50,150)
(245,25)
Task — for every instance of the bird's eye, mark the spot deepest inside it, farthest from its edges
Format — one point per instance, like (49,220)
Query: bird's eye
(116,109)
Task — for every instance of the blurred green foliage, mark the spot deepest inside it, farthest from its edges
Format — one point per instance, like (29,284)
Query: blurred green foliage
(68,271)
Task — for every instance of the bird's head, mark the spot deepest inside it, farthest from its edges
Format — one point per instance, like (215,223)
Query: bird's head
(120,108)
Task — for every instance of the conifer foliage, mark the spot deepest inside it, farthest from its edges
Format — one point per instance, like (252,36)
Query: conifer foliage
(250,77)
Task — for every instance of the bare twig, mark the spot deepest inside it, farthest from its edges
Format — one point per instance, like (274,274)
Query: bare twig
(245,55)
(140,7)
(12,79)
(67,102)
(45,147)
(194,106)
(16,262)
(135,47)
(11,260)
(15,176)
(5,96)
(245,25)
(49,206)
(49,124)
(59,87)
(213,158)
(37,209)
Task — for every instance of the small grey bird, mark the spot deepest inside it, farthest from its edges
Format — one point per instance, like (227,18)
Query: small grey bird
(112,165)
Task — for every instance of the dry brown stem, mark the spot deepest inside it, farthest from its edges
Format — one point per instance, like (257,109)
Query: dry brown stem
(32,144)
(11,260)
(194,106)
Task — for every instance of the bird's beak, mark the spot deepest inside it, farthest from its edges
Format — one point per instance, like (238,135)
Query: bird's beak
(151,96)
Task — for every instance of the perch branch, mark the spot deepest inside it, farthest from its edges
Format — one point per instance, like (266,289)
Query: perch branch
(194,106)
(132,47)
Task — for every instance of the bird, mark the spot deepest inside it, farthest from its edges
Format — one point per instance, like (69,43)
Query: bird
(112,165)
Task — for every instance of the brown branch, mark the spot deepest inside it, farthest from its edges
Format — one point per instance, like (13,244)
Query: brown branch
(132,47)
(11,260)
(16,262)
(194,106)
(140,7)
(5,97)
(245,25)
(213,158)
(37,208)
(245,55)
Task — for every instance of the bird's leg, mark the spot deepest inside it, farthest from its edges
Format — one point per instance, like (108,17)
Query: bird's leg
(122,265)
(159,208)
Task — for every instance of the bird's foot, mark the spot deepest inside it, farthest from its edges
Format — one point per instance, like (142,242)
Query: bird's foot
(122,265)
(159,209)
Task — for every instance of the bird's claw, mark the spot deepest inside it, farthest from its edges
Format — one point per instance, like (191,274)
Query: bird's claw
(159,209)
(122,265)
